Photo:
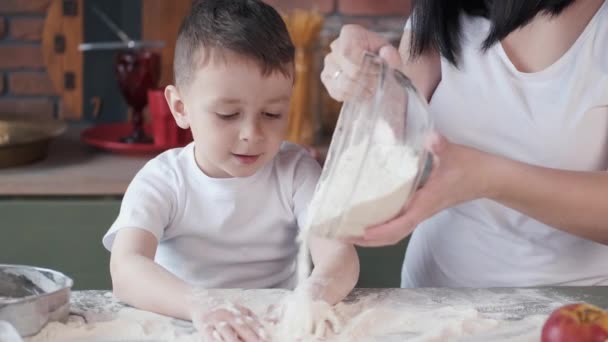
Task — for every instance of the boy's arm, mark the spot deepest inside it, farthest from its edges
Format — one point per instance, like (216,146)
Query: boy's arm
(336,269)
(336,262)
(138,281)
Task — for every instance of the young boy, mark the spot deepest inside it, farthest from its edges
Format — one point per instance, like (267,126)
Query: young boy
(224,211)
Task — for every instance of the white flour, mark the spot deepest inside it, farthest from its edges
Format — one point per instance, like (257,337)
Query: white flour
(364,190)
(304,320)
(8,333)
(394,315)
(368,183)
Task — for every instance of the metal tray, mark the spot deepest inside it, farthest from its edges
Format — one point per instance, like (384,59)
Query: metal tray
(30,297)
(24,141)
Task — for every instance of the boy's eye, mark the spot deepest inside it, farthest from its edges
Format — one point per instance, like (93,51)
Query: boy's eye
(227,116)
(272,115)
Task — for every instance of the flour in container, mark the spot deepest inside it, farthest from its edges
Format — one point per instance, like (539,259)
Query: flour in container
(370,183)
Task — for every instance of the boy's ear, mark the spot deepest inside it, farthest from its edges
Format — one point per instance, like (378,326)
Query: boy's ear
(178,109)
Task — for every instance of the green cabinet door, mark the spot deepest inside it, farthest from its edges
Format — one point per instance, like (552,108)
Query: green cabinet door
(61,234)
(65,235)
(381,266)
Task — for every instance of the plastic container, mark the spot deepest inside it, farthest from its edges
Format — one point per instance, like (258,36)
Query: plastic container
(165,131)
(377,157)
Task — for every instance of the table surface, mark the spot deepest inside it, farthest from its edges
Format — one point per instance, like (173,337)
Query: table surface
(512,309)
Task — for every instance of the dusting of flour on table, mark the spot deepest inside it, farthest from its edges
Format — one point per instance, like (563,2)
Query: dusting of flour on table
(389,315)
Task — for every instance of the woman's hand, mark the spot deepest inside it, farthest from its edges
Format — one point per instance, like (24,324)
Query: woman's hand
(459,174)
(343,64)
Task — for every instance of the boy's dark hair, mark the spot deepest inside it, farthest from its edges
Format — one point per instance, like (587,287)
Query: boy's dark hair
(249,28)
(436,23)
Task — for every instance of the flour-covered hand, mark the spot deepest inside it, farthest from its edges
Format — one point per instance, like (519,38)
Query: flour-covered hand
(302,315)
(220,320)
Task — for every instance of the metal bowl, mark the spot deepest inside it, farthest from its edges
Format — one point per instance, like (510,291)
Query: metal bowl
(24,141)
(30,297)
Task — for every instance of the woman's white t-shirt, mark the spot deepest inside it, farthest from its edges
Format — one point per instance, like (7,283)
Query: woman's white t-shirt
(556,118)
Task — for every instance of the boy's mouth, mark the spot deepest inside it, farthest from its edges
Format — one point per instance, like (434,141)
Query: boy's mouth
(246,158)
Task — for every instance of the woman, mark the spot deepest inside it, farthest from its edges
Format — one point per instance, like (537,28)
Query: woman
(518,90)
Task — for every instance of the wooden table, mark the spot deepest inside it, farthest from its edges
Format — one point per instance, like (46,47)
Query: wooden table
(500,314)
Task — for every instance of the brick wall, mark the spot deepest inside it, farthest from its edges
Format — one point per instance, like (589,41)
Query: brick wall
(348,7)
(24,85)
(26,89)
(385,16)
(379,15)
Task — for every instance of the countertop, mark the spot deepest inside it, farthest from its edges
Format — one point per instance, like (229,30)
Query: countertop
(507,314)
(72,168)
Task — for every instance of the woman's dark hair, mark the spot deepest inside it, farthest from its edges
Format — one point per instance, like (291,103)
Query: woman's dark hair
(436,23)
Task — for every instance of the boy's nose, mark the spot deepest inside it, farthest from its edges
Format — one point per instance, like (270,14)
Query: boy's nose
(251,131)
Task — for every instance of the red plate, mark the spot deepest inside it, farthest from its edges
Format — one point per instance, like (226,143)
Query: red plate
(107,137)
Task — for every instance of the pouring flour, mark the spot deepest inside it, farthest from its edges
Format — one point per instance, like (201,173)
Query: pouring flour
(377,155)
(377,159)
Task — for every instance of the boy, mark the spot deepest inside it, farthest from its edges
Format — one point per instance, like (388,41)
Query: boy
(224,211)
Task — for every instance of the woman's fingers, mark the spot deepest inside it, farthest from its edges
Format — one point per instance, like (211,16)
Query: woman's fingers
(338,81)
(343,64)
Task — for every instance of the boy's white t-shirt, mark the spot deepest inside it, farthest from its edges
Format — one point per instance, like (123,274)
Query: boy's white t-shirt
(222,232)
(555,118)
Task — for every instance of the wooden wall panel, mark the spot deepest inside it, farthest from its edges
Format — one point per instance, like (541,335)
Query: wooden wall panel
(70,60)
(161,20)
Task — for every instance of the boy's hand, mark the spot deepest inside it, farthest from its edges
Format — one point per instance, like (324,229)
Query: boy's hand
(220,319)
(228,322)
(302,314)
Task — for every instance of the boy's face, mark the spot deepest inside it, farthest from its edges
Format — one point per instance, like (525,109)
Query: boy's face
(238,116)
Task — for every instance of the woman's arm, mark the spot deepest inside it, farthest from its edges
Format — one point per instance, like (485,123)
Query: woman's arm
(575,202)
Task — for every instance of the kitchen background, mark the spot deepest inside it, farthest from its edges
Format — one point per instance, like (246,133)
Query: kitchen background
(25,86)
(53,212)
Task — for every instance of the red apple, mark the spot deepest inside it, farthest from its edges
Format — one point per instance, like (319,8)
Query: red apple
(580,322)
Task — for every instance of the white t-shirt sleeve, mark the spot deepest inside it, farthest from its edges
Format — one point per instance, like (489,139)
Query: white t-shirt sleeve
(149,202)
(306,176)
